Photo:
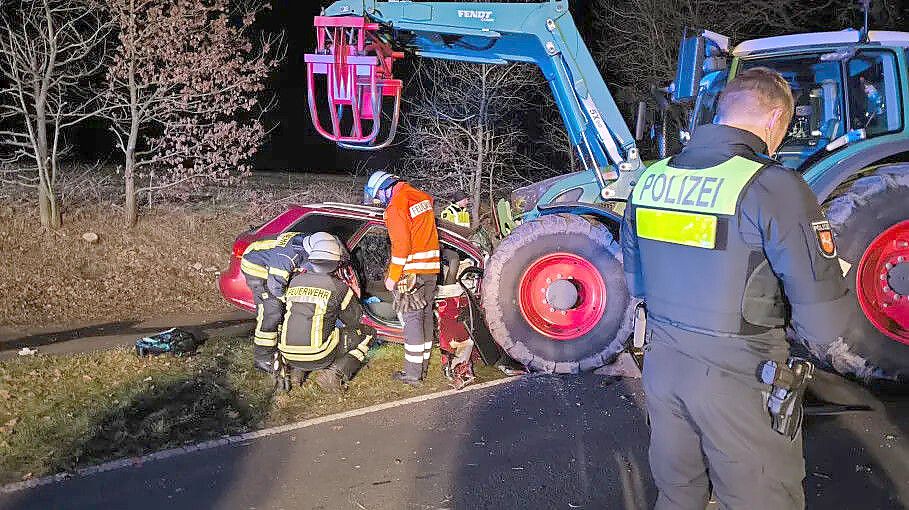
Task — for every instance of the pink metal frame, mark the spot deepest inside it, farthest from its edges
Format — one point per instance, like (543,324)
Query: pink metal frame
(357,67)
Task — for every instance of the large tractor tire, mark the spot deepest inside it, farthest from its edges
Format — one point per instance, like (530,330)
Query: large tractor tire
(555,297)
(871,221)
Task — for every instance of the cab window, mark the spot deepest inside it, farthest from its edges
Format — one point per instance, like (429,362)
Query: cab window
(874,92)
(819,103)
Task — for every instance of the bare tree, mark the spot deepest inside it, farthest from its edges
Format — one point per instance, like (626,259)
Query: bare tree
(49,51)
(187,110)
(638,40)
(464,127)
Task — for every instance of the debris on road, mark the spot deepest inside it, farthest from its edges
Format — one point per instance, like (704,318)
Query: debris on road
(90,237)
(25,351)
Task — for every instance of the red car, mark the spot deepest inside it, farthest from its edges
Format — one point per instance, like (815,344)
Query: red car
(362,229)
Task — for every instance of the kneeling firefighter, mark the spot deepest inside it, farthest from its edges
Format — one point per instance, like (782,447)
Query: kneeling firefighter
(322,331)
(268,265)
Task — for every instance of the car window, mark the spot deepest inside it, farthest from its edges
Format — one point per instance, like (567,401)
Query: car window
(340,226)
(372,253)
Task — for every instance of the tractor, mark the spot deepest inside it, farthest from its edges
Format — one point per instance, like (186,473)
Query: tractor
(553,292)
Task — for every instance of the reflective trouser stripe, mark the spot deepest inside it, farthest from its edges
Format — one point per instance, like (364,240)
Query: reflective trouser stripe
(263,338)
(413,359)
(427,349)
(418,348)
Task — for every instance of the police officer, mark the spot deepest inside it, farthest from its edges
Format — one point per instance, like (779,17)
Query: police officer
(722,242)
(457,212)
(322,331)
(268,265)
(414,266)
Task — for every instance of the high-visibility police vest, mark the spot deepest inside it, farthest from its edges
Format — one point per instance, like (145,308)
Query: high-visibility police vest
(457,215)
(697,269)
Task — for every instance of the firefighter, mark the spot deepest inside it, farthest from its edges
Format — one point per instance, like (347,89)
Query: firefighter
(457,212)
(414,266)
(268,265)
(322,331)
(727,247)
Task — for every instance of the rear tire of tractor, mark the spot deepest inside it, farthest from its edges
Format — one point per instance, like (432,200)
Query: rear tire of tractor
(858,215)
(529,242)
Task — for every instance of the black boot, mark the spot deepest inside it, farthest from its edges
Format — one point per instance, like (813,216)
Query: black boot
(264,359)
(402,377)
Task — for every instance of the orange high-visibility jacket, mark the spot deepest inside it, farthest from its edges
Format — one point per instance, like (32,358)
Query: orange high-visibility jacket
(411,225)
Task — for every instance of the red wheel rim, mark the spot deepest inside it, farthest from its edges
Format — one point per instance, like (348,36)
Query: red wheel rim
(574,321)
(881,282)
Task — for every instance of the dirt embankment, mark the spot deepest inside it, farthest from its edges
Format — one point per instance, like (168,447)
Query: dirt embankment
(167,264)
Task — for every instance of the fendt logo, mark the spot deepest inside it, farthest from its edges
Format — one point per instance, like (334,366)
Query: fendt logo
(480,15)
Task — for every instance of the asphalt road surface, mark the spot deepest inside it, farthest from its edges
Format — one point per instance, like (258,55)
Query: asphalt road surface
(538,442)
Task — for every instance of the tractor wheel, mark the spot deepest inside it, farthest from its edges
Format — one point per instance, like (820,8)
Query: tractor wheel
(871,222)
(555,297)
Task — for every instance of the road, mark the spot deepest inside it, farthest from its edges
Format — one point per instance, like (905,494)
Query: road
(538,442)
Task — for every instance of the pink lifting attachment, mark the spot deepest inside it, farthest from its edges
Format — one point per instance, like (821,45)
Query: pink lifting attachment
(357,66)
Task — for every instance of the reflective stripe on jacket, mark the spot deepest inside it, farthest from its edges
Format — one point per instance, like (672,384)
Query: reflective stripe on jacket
(275,260)
(412,229)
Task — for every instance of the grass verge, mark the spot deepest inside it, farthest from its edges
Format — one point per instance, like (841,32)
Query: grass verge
(58,413)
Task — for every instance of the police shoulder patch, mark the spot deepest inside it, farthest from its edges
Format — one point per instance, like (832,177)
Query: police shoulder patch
(824,235)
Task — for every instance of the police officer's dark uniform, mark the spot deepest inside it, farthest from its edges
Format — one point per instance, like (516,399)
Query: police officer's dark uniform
(724,244)
(268,265)
(322,328)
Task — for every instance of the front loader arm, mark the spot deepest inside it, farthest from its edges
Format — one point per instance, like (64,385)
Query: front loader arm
(543,34)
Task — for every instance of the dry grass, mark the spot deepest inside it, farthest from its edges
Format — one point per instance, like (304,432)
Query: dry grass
(165,265)
(62,412)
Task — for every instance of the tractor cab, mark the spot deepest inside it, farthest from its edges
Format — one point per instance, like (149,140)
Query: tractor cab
(845,90)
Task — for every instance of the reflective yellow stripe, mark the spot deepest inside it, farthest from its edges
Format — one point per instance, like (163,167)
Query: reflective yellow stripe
(714,190)
(264,244)
(279,272)
(253,269)
(346,299)
(689,229)
(309,353)
(357,354)
(266,342)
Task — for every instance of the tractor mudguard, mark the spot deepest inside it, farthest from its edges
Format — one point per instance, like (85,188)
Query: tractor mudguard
(601,211)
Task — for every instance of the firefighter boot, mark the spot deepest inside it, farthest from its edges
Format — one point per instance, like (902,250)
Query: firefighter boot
(264,358)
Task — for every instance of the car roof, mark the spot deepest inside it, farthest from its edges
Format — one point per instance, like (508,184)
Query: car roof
(841,37)
(373,212)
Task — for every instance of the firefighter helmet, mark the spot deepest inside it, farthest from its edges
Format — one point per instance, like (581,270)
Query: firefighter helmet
(324,251)
(377,183)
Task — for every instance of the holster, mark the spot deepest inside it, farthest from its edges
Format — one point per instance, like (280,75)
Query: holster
(409,295)
(787,390)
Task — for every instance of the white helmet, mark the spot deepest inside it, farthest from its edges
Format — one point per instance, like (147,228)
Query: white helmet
(324,251)
(379,181)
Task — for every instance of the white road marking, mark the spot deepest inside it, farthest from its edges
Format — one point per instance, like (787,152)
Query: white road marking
(240,439)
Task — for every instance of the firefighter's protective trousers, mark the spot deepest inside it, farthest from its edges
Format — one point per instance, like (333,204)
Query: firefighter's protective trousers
(269,315)
(418,330)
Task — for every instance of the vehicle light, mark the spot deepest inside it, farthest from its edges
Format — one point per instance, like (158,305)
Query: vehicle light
(240,246)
